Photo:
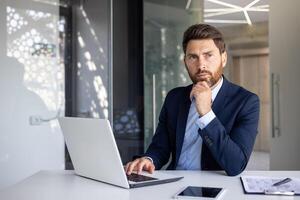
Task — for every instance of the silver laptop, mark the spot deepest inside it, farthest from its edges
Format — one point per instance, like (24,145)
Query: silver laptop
(95,155)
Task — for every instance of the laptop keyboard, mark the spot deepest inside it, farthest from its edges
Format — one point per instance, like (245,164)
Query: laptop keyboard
(139,178)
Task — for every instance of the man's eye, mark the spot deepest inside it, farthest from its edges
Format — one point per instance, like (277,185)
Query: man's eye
(192,57)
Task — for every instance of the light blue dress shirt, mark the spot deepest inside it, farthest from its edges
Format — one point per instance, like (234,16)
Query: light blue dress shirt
(190,157)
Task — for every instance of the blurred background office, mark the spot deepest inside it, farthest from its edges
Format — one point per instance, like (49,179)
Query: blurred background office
(117,59)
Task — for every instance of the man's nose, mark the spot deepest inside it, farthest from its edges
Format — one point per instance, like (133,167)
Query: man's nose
(201,63)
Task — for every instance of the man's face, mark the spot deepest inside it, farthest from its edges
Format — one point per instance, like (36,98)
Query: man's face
(204,62)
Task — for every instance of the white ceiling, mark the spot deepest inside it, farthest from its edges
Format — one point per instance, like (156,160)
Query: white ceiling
(228,12)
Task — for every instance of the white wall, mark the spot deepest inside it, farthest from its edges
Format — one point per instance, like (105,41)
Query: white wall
(284,29)
(29,86)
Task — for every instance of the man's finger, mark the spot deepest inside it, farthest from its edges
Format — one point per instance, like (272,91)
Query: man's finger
(152,168)
(141,165)
(149,168)
(132,166)
(126,166)
(192,93)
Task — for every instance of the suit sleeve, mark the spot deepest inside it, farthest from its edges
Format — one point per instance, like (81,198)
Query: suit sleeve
(232,150)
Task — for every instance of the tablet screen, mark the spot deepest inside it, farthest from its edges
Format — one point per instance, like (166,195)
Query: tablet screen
(200,192)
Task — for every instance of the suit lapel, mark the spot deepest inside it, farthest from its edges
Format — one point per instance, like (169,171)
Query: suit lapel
(184,108)
(221,98)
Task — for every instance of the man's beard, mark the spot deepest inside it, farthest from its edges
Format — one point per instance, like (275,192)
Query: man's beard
(210,78)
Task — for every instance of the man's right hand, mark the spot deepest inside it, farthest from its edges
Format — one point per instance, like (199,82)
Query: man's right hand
(140,164)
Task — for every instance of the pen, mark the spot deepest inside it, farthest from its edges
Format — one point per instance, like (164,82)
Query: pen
(286,180)
(288,193)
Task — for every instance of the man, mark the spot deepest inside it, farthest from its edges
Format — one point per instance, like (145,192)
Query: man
(210,125)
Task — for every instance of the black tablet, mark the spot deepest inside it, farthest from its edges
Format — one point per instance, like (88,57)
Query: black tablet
(196,192)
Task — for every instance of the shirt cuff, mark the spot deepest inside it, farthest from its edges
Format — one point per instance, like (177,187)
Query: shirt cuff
(149,158)
(203,121)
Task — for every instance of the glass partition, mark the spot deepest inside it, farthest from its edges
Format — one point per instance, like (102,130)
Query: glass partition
(32,86)
(164,24)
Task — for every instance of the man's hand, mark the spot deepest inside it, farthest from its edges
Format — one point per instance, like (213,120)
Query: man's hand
(138,165)
(202,94)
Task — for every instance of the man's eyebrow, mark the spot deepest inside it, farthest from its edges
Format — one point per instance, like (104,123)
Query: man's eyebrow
(208,51)
(204,52)
(191,54)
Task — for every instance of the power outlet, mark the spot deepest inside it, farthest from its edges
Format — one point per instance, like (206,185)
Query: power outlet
(35,120)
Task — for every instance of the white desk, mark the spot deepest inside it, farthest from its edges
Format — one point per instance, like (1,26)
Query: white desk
(64,185)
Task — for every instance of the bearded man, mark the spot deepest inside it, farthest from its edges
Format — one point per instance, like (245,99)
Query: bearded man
(209,125)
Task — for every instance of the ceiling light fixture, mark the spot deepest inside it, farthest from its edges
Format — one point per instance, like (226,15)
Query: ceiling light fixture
(188,4)
(229,9)
(247,17)
(252,4)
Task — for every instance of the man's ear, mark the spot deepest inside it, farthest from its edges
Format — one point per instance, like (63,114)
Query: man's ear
(224,58)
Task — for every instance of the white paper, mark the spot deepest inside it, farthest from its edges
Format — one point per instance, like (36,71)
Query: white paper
(259,184)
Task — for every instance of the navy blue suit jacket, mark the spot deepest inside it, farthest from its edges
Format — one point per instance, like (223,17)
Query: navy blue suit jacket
(228,139)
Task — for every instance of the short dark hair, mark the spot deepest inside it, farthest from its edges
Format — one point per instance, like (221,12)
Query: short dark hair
(203,31)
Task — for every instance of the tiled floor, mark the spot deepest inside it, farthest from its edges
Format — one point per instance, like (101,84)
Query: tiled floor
(259,161)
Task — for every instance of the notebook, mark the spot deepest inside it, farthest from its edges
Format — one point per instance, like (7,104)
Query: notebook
(265,185)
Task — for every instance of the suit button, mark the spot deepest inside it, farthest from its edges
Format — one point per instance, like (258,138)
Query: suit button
(208,140)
